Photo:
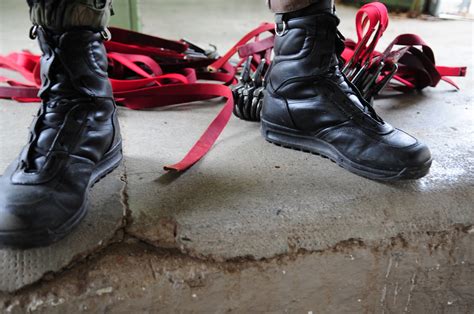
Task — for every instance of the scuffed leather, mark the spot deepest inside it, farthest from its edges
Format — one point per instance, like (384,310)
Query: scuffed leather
(48,205)
(278,111)
(64,15)
(76,128)
(306,91)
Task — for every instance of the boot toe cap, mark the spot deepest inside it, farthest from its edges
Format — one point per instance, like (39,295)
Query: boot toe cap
(405,151)
(417,155)
(10,222)
(394,155)
(30,212)
(22,212)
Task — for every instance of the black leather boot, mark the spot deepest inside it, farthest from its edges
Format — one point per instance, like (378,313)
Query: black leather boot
(309,105)
(74,142)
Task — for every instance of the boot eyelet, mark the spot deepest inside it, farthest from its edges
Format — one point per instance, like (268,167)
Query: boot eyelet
(283,31)
(106,35)
(33,32)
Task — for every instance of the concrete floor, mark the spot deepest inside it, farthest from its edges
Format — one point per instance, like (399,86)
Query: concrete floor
(254,227)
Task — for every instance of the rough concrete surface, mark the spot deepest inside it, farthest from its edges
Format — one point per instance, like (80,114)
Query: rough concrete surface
(399,277)
(250,198)
(254,227)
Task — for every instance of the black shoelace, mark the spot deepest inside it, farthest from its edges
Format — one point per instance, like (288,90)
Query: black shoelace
(62,107)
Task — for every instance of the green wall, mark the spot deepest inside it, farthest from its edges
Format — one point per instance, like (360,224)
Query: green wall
(414,6)
(126,14)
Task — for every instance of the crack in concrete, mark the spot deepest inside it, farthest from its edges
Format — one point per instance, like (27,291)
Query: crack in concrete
(412,287)
(242,262)
(127,212)
(122,236)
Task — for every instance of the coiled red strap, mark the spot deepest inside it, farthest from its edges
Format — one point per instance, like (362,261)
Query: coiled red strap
(148,72)
(417,68)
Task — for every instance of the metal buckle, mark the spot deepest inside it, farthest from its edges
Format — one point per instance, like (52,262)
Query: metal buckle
(196,52)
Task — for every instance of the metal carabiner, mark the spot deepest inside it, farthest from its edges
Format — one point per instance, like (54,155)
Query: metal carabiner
(257,76)
(377,88)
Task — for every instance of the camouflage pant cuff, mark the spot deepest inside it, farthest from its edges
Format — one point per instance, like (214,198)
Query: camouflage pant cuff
(285,6)
(61,15)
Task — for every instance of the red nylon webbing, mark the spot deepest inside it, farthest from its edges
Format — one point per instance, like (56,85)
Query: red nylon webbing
(417,68)
(148,72)
(140,75)
(371,22)
(218,64)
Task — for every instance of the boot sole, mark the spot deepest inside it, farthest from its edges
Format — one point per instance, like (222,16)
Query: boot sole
(45,237)
(297,140)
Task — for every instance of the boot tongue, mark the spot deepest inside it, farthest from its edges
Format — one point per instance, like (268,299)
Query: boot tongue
(358,101)
(351,91)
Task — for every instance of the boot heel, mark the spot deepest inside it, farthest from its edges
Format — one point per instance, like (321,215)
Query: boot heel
(110,162)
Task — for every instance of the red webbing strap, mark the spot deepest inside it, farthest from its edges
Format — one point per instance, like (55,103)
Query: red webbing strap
(14,82)
(207,140)
(148,72)
(25,63)
(132,60)
(371,22)
(209,137)
(265,27)
(113,46)
(181,93)
(18,91)
(452,71)
(132,38)
(417,68)
(256,47)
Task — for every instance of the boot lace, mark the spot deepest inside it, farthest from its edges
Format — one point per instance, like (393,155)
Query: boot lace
(60,108)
